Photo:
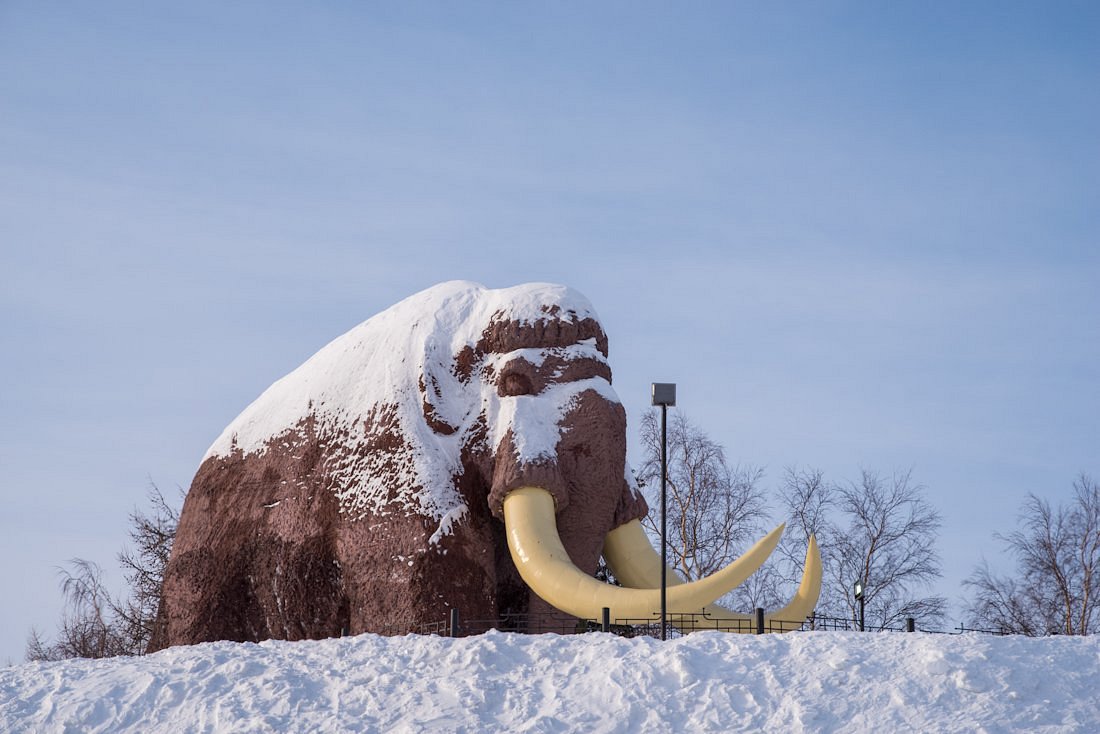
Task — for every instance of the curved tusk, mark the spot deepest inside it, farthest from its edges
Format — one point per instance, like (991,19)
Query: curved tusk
(792,615)
(545,566)
(635,563)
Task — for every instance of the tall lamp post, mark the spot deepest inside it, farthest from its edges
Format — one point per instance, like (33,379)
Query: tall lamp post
(664,395)
(858,589)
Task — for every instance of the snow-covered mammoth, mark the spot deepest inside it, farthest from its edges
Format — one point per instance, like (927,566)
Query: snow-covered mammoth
(462,448)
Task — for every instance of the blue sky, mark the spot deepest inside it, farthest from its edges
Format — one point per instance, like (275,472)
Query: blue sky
(856,235)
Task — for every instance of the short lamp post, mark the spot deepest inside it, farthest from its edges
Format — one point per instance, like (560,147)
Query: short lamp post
(664,395)
(858,589)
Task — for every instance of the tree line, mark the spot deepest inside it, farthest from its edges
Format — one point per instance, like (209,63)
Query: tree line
(879,530)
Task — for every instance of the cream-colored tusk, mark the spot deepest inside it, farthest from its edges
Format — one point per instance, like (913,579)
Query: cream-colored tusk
(545,566)
(635,563)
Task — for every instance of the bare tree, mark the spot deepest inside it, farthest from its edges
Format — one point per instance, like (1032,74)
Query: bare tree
(714,509)
(143,566)
(87,628)
(879,532)
(806,499)
(887,542)
(95,624)
(1057,583)
(1002,603)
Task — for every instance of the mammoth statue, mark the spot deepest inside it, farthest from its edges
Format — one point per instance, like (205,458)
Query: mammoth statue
(463,448)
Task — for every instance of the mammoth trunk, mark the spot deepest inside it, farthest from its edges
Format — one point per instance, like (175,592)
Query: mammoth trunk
(585,480)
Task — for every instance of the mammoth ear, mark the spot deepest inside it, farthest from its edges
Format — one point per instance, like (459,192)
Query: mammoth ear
(445,386)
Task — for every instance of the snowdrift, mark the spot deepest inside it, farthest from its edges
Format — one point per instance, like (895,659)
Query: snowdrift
(707,682)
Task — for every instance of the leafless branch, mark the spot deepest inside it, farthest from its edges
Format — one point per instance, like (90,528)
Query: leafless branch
(714,509)
(1055,586)
(94,624)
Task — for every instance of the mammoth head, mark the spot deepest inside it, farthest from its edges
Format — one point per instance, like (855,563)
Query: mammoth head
(538,388)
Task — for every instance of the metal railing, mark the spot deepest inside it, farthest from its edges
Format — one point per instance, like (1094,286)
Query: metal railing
(678,625)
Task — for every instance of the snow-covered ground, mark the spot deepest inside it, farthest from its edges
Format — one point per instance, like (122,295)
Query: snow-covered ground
(821,681)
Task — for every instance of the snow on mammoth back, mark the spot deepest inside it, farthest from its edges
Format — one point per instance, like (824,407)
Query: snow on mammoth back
(457,367)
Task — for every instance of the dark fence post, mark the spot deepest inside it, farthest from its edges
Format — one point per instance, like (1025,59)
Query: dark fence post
(759,621)
(606,620)
(454,622)
(910,624)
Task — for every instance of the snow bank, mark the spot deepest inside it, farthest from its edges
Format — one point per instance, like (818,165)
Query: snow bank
(706,682)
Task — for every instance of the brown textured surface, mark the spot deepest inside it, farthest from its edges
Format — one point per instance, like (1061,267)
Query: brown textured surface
(263,551)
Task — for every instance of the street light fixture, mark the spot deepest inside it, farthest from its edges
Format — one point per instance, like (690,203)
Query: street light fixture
(858,588)
(664,395)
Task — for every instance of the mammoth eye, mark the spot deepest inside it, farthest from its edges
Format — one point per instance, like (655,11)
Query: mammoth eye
(515,383)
